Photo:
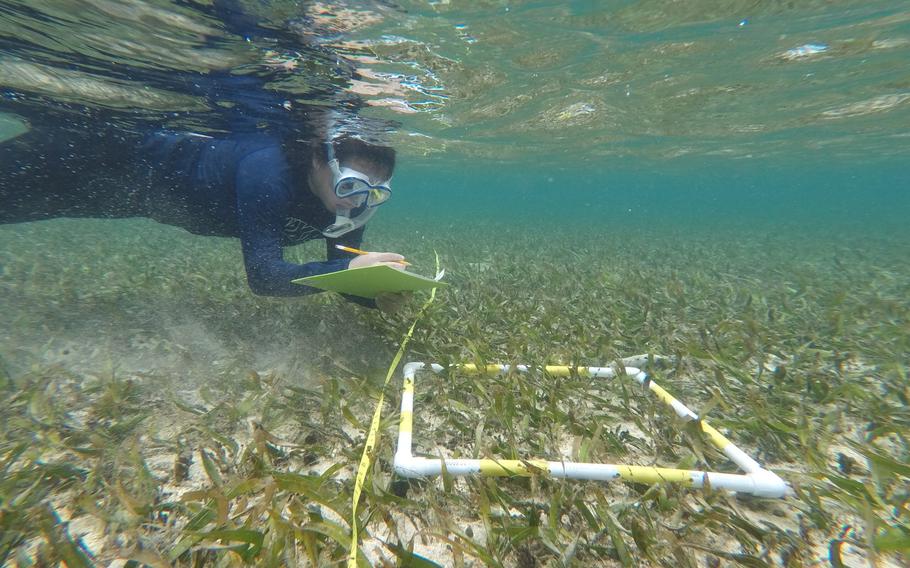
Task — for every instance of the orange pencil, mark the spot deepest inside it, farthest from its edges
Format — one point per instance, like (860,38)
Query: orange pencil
(358,251)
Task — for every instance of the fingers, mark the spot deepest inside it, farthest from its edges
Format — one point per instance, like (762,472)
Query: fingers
(395,265)
(370,259)
(385,256)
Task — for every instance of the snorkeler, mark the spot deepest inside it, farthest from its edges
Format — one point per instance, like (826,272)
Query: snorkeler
(298,178)
(252,186)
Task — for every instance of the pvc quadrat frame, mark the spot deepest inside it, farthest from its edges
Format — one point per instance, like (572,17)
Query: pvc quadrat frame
(755,480)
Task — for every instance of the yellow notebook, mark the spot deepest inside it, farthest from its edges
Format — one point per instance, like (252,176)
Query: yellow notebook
(370,281)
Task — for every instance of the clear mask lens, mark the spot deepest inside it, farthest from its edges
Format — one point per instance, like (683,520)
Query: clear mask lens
(377,196)
(354,187)
(349,186)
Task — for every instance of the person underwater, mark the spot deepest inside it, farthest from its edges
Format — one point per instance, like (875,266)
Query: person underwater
(268,171)
(253,186)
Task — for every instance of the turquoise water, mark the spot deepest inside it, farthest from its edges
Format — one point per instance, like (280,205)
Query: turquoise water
(698,193)
(558,109)
(625,103)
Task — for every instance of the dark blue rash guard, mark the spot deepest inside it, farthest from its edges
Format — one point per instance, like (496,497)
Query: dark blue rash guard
(245,187)
(249,186)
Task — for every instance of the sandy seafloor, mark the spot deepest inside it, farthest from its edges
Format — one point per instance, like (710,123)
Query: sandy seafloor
(85,303)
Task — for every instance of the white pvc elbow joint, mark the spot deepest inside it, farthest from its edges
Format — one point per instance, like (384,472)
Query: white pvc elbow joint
(769,484)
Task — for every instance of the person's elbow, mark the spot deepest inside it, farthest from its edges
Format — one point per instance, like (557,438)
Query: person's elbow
(264,283)
(260,286)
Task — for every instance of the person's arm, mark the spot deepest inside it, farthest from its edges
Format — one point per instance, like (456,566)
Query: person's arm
(388,302)
(263,197)
(353,240)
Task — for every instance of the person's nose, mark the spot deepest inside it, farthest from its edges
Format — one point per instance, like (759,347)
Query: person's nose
(345,203)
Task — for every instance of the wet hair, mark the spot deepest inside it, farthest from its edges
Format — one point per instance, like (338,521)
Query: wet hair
(380,159)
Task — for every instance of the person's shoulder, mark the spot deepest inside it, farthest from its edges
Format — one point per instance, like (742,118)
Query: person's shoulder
(257,145)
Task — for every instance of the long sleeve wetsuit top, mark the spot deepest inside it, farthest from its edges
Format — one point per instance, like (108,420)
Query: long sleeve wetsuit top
(251,184)
(244,187)
(247,186)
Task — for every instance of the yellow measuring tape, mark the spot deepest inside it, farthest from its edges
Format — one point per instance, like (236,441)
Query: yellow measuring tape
(366,459)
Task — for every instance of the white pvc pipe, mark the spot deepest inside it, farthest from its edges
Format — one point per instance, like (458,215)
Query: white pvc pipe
(757,480)
(761,484)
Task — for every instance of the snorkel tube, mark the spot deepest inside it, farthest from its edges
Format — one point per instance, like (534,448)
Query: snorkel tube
(342,225)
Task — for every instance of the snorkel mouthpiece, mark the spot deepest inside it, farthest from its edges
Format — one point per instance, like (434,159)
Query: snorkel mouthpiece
(342,225)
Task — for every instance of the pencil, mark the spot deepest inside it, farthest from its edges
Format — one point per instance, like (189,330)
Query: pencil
(358,251)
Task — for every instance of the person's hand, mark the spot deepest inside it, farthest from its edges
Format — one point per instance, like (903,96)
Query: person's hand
(392,302)
(374,258)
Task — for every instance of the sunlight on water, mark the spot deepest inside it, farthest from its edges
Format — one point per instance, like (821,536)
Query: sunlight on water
(10,126)
(655,80)
(580,81)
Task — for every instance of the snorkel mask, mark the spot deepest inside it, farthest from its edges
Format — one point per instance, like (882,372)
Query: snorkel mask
(355,187)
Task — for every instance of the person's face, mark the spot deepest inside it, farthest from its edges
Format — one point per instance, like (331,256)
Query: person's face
(323,186)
